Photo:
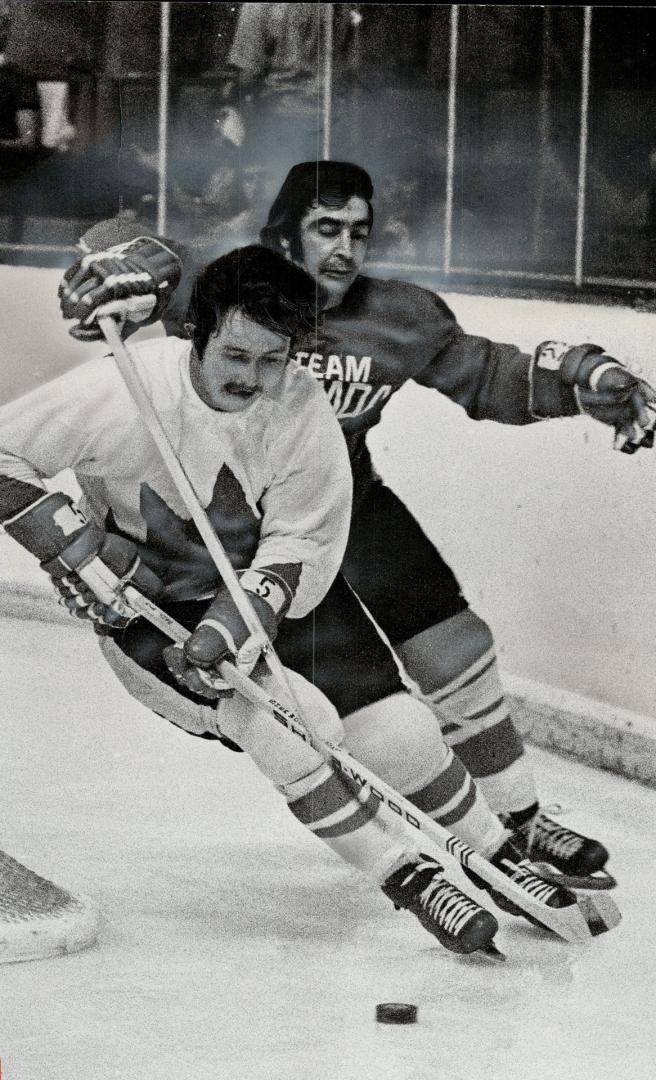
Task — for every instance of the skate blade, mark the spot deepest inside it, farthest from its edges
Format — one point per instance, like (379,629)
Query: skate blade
(491,952)
(601,881)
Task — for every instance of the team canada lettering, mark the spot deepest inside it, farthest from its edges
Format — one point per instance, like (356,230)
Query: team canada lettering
(349,391)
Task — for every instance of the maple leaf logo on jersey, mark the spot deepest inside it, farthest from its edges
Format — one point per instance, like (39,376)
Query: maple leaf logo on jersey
(174,549)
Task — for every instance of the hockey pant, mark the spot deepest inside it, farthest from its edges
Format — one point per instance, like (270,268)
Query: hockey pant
(447,651)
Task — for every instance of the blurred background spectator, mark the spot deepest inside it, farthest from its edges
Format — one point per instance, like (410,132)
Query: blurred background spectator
(278,60)
(20,135)
(248,97)
(52,44)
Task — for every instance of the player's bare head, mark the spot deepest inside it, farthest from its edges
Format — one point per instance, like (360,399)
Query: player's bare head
(245,308)
(264,286)
(312,184)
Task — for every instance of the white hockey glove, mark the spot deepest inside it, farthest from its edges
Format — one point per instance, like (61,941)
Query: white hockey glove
(132,281)
(222,635)
(599,386)
(69,546)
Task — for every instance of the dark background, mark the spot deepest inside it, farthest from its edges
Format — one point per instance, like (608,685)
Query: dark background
(518,94)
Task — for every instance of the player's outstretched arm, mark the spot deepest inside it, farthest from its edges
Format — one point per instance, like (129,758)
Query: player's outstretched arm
(602,387)
(496,381)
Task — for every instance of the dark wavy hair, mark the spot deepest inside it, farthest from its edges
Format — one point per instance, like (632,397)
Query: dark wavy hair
(328,183)
(262,284)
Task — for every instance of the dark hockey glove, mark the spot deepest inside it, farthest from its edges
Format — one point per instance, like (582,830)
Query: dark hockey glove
(222,635)
(598,385)
(618,396)
(132,281)
(88,566)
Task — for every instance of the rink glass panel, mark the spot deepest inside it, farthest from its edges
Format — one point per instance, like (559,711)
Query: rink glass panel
(516,140)
(551,182)
(620,235)
(390,88)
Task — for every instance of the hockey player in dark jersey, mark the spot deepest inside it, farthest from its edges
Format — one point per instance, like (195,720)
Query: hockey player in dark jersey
(370,338)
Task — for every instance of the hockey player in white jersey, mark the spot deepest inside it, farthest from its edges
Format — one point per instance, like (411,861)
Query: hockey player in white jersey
(258,440)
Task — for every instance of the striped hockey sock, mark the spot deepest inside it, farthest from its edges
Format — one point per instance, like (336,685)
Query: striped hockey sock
(328,805)
(400,740)
(476,722)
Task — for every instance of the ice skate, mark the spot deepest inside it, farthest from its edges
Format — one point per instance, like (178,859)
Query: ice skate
(511,862)
(580,860)
(458,922)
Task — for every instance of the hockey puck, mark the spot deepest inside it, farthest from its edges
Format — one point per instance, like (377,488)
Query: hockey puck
(396,1012)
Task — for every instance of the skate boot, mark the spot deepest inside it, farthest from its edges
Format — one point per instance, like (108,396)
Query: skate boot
(511,862)
(458,922)
(543,840)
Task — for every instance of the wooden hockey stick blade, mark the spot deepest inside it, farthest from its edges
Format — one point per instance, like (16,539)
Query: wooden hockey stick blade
(600,912)
(574,923)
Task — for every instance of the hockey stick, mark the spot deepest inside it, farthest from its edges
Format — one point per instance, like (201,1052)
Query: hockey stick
(577,923)
(568,922)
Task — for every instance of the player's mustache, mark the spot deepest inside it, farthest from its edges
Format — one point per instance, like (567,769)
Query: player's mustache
(241,388)
(341,265)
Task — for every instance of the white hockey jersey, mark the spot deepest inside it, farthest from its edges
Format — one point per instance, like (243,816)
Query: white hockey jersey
(274,478)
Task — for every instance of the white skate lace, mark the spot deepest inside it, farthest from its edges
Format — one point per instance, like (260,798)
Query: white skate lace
(549,837)
(445,903)
(534,886)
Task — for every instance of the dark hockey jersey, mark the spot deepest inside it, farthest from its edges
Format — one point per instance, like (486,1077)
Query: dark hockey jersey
(386,332)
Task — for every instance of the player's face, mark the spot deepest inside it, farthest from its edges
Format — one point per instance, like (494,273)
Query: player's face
(241,362)
(334,244)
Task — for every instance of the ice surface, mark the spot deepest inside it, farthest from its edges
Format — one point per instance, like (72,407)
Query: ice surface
(236,947)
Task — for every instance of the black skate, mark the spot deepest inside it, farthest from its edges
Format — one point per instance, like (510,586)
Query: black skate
(458,922)
(580,861)
(511,862)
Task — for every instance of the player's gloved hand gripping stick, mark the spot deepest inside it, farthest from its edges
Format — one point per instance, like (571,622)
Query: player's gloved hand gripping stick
(577,923)
(612,392)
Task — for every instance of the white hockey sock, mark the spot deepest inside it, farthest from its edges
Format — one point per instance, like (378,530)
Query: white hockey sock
(400,740)
(363,833)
